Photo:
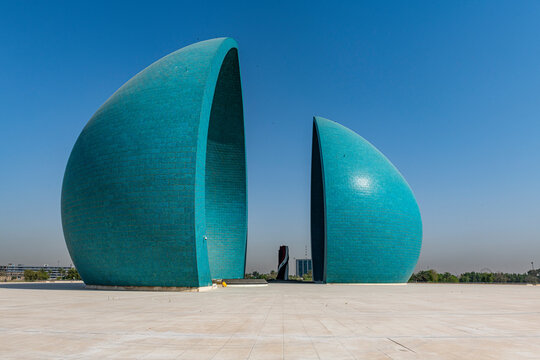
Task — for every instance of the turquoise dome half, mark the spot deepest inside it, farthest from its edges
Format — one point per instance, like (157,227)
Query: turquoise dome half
(365,222)
(154,192)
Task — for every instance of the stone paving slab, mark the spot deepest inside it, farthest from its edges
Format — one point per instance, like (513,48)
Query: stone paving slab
(279,321)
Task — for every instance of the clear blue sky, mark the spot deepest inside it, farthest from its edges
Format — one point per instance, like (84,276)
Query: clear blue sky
(449,91)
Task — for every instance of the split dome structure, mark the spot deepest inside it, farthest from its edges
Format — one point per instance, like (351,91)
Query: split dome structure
(154,193)
(365,222)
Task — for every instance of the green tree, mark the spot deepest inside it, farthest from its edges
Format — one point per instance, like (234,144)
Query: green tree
(30,275)
(533,276)
(487,277)
(307,276)
(425,276)
(72,274)
(500,277)
(447,278)
(43,275)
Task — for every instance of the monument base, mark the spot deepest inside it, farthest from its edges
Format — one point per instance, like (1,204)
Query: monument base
(150,288)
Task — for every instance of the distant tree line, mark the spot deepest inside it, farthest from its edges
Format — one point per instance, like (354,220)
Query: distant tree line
(530,277)
(432,276)
(272,276)
(257,275)
(41,275)
(31,275)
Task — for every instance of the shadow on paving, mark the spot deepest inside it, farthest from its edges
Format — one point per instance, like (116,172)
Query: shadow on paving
(44,286)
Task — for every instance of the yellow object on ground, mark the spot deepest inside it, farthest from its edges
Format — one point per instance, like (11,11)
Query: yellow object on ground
(224,284)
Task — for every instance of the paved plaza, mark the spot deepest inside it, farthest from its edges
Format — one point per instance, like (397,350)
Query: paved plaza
(279,321)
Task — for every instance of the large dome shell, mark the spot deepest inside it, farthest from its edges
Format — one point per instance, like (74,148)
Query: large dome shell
(154,192)
(365,222)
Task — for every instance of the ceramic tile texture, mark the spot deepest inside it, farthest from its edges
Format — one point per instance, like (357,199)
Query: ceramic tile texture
(154,192)
(280,321)
(365,222)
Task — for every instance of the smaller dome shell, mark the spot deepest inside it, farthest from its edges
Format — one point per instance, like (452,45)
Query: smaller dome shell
(365,222)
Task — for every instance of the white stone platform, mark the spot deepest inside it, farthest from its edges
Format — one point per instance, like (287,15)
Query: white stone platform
(280,321)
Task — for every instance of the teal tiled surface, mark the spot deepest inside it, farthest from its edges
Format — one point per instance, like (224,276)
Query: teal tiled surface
(365,222)
(154,193)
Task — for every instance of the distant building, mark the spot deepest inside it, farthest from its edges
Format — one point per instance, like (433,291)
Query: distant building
(303,266)
(17,271)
